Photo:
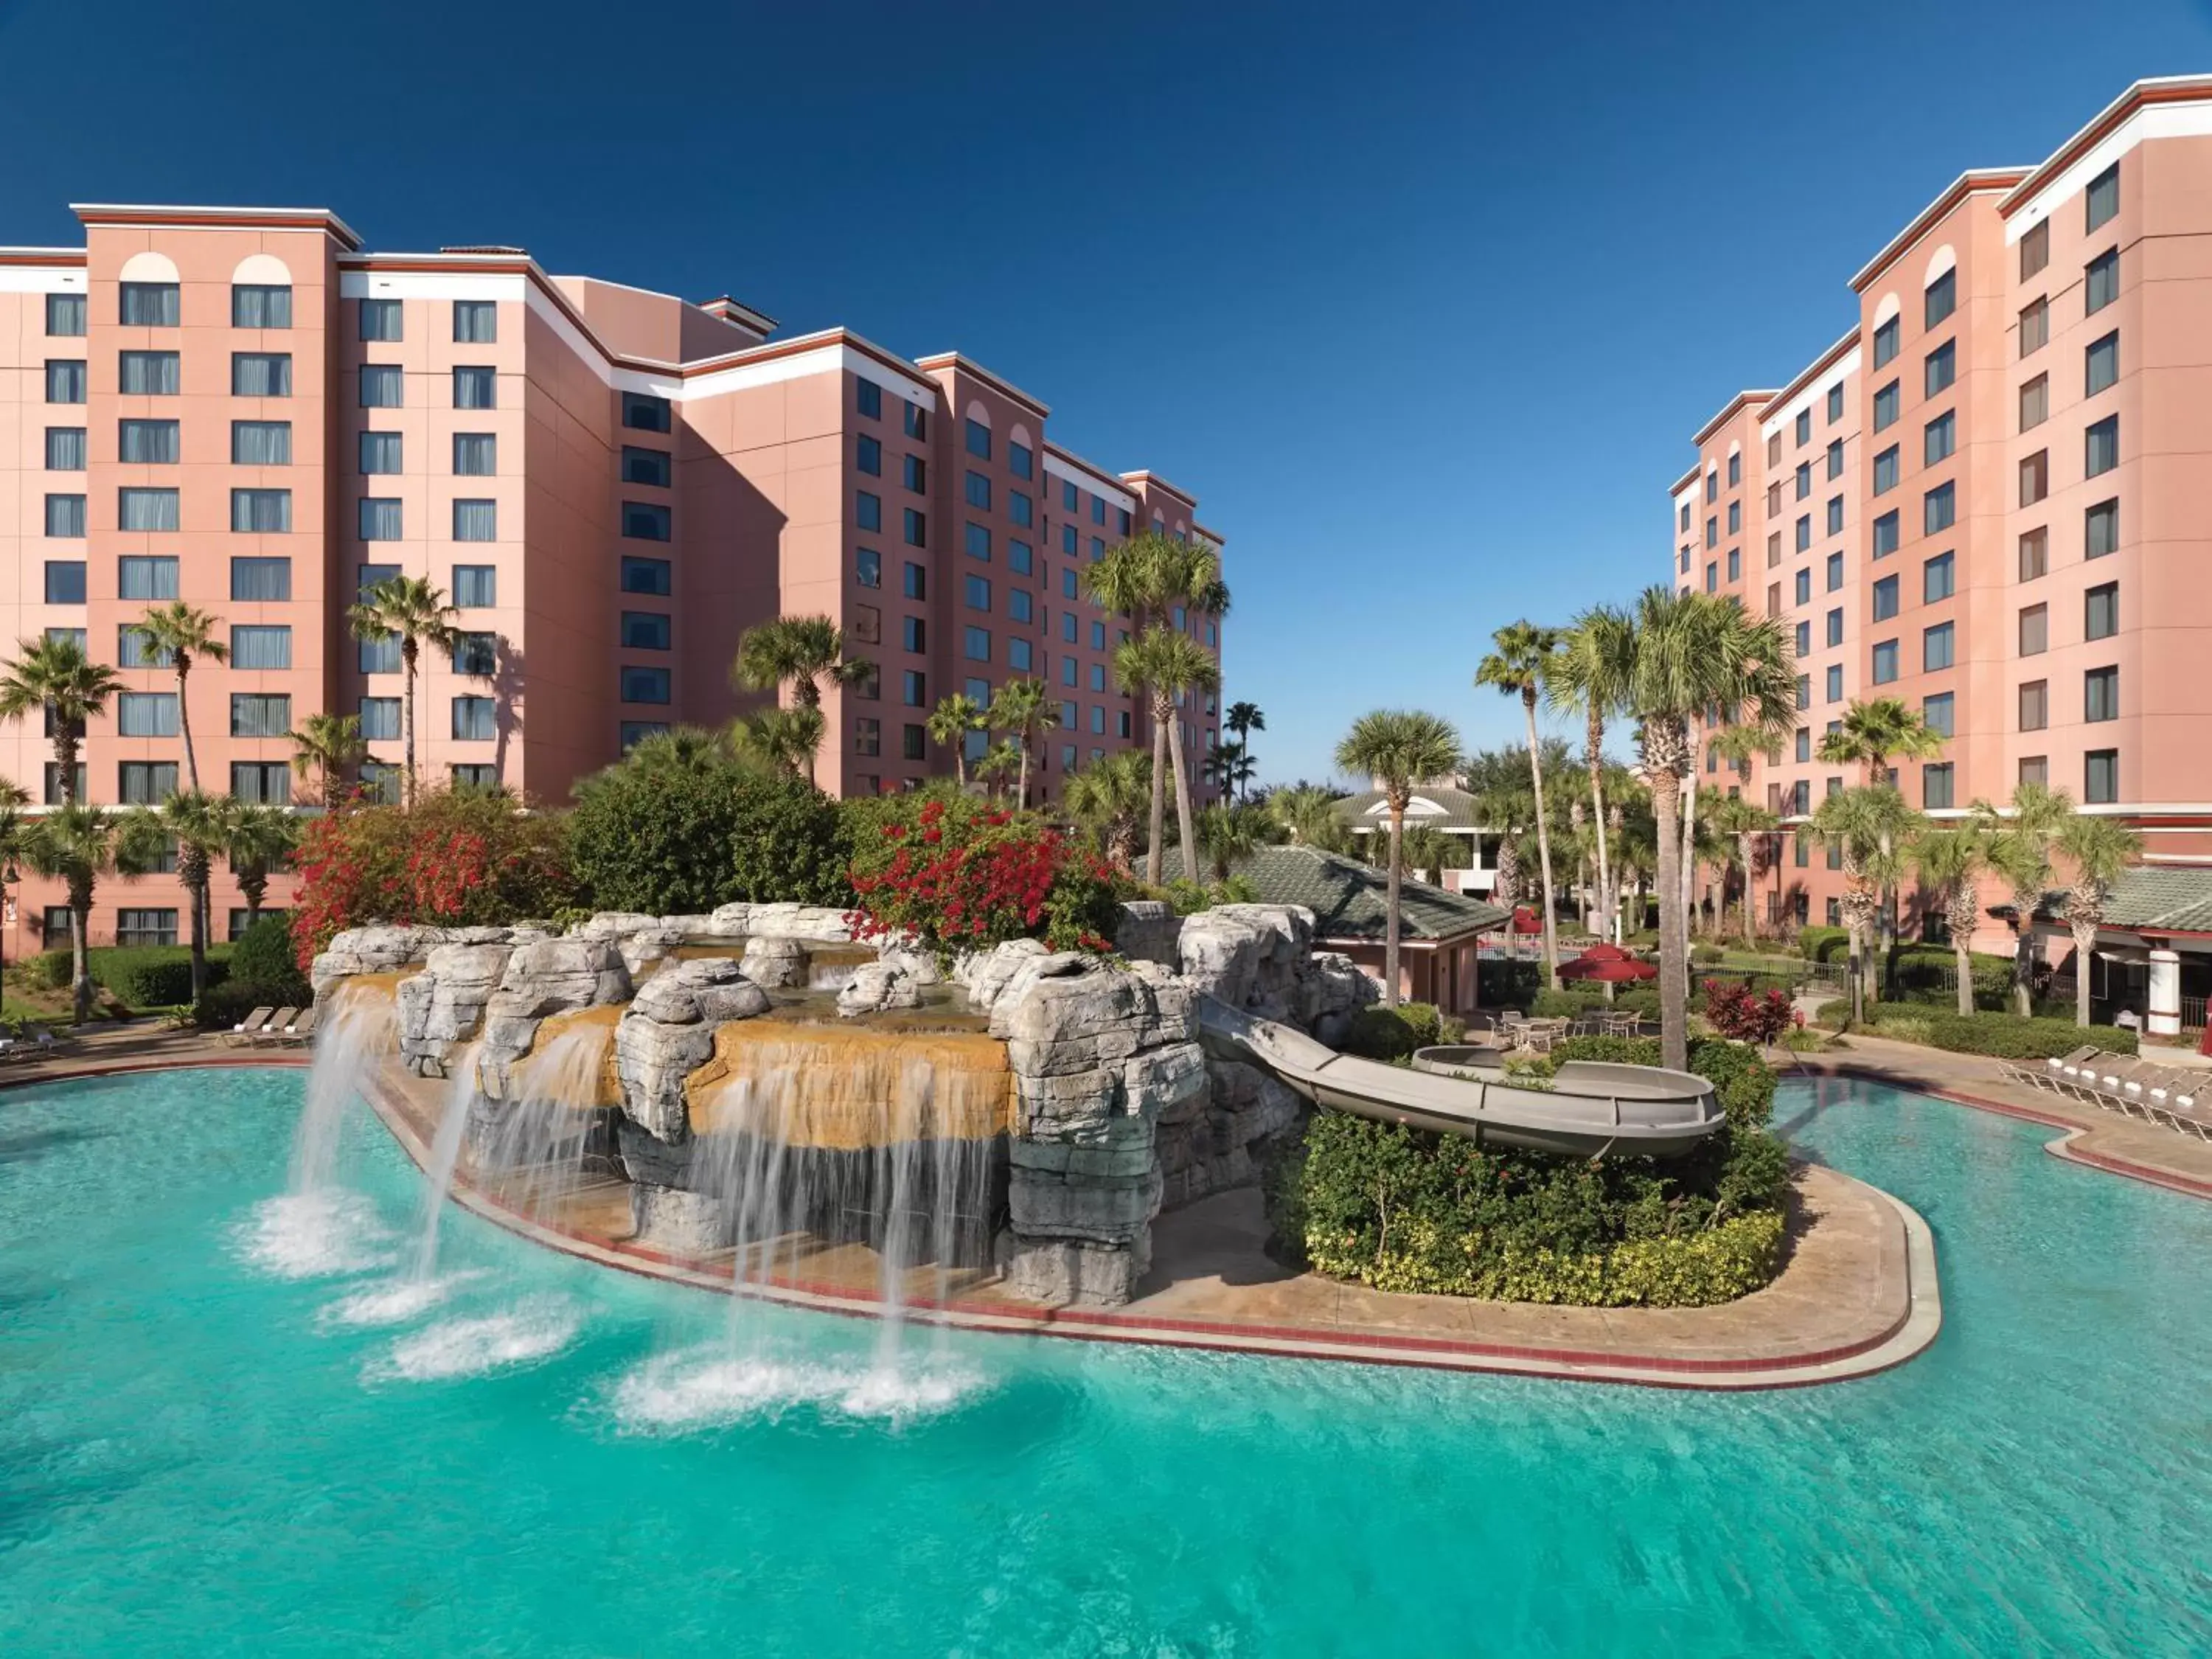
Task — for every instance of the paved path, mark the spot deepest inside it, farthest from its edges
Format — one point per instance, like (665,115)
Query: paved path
(137,1045)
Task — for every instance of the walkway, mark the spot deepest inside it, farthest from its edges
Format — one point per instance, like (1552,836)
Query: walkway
(137,1045)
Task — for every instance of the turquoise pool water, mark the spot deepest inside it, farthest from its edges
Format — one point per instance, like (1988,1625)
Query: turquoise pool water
(223,1431)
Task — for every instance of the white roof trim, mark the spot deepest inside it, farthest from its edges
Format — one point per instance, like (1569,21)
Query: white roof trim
(1084,475)
(2152,121)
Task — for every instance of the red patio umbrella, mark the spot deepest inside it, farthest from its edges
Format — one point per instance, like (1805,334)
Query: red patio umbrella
(1607,964)
(1525,920)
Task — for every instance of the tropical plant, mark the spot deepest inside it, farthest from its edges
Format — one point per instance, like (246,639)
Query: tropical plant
(1693,651)
(996,764)
(255,840)
(55,676)
(2095,849)
(950,722)
(1399,749)
(1427,848)
(1590,675)
(1226,835)
(77,844)
(1025,709)
(1243,719)
(1867,823)
(1305,814)
(1229,768)
(175,634)
(1520,657)
(195,822)
(414,611)
(783,741)
(14,830)
(1739,819)
(1108,798)
(2021,845)
(1950,862)
(807,654)
(1872,734)
(1167,665)
(328,747)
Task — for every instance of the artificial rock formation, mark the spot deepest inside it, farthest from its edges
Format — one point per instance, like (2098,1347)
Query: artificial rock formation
(1223,1137)
(441,1009)
(668,1032)
(875,986)
(375,949)
(543,977)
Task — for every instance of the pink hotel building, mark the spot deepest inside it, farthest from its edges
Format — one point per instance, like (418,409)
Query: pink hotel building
(1991,498)
(241,408)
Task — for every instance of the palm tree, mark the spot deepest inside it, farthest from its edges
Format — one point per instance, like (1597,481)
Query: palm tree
(805,653)
(1692,651)
(1746,821)
(1427,848)
(1225,833)
(1108,798)
(950,722)
(1867,823)
(55,675)
(412,611)
(1306,814)
(2020,845)
(256,839)
(1516,667)
(1166,664)
(175,634)
(1590,675)
(782,740)
(1243,719)
(1399,748)
(78,844)
(999,762)
(1950,863)
(195,822)
(1025,709)
(686,748)
(2096,849)
(1872,734)
(14,830)
(329,746)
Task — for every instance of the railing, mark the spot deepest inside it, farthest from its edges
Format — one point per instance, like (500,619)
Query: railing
(2192,1013)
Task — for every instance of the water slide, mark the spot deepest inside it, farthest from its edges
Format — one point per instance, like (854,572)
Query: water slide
(1591,1108)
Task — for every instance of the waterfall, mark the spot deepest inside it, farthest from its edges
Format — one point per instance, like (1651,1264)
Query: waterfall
(536,1147)
(356,1032)
(444,1153)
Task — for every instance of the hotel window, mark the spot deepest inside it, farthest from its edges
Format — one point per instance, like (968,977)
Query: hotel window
(1937,712)
(1835,516)
(1803,587)
(916,528)
(1713,533)
(143,577)
(913,634)
(643,412)
(1885,662)
(1067,670)
(1834,686)
(976,593)
(1886,340)
(917,422)
(979,492)
(1804,429)
(475,720)
(1019,508)
(867,456)
(147,509)
(1941,299)
(65,449)
(1735,564)
(2101,612)
(913,687)
(1684,514)
(381,319)
(644,684)
(382,453)
(65,515)
(1020,604)
(2100,530)
(1069,627)
(2035,769)
(1098,513)
(1735,470)
(1939,508)
(132,650)
(916,474)
(1884,470)
(260,374)
(1019,556)
(477,654)
(256,714)
(979,439)
(260,512)
(1713,579)
(475,388)
(2034,327)
(380,781)
(1937,579)
(476,521)
(1836,459)
(1018,655)
(1886,534)
(66,315)
(1804,746)
(1804,480)
(2100,282)
(1804,644)
(2100,777)
(2034,630)
(2101,367)
(261,443)
(2035,250)
(1774,449)
(1935,786)
(1885,599)
(1941,369)
(2034,477)
(656,467)
(1712,491)
(1020,460)
(1835,626)
(261,581)
(475,586)
(1098,636)
(1098,676)
(1774,500)
(149,305)
(1067,541)
(477,776)
(475,455)
(651,521)
(1773,550)
(1804,690)
(2035,403)
(2035,705)
(1835,403)
(380,518)
(1887,403)
(145,783)
(1804,532)
(1835,571)
(1938,645)
(2100,447)
(260,305)
(868,735)
(978,541)
(2100,694)
(149,374)
(915,583)
(260,647)
(383,386)
(2103,197)
(2035,554)
(975,644)
(145,927)
(475,322)
(148,443)
(65,380)
(868,567)
(146,713)
(1939,439)
(379,718)
(913,742)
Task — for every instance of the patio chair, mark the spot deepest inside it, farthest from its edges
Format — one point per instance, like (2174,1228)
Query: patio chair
(2045,1076)
(302,1031)
(246,1027)
(274,1031)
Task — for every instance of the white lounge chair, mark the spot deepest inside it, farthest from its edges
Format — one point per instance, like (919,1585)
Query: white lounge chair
(279,1025)
(247,1028)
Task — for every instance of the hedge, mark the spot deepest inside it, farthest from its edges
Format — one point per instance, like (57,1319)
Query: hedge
(1823,944)
(1380,1033)
(2004,1037)
(1571,1000)
(136,976)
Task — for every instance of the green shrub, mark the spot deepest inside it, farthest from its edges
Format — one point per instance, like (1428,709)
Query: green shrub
(152,975)
(263,967)
(789,843)
(222,1006)
(1504,982)
(2005,1036)
(1823,944)
(1573,1000)
(1382,1033)
(1707,953)
(51,969)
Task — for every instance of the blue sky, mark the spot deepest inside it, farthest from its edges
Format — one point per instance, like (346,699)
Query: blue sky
(1423,303)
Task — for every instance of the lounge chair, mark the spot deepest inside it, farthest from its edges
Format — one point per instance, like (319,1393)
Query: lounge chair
(302,1031)
(246,1029)
(279,1024)
(2046,1076)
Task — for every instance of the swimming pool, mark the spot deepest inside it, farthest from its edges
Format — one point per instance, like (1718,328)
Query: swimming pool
(223,1430)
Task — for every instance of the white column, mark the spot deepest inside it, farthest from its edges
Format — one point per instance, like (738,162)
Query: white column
(2165,993)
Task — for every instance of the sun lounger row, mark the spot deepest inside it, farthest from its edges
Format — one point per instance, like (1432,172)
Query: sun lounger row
(32,1045)
(267,1028)
(2178,1096)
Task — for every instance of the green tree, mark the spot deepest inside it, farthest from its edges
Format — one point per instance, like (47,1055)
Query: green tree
(1744,822)
(175,634)
(1108,799)
(54,677)
(1950,863)
(2095,850)
(1693,651)
(256,839)
(1872,734)
(1867,823)
(1425,848)
(1399,749)
(195,822)
(1243,719)
(77,845)
(414,611)
(327,747)
(1306,815)
(1590,675)
(1167,665)
(783,741)
(950,722)
(14,832)
(1226,835)
(1025,709)
(997,763)
(2021,845)
(807,654)
(1520,657)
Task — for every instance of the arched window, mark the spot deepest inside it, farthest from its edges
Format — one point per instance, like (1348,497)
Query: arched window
(261,293)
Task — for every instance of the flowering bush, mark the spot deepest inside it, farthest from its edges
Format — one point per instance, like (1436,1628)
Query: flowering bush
(954,875)
(457,859)
(1735,1010)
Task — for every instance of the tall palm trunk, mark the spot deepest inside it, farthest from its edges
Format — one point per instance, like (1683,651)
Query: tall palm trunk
(2085,942)
(1595,756)
(408,654)
(185,727)
(2023,953)
(192,874)
(80,897)
(1684,892)
(1155,850)
(1023,799)
(1184,826)
(1750,915)
(66,743)
(1390,907)
(1674,941)
(1543,842)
